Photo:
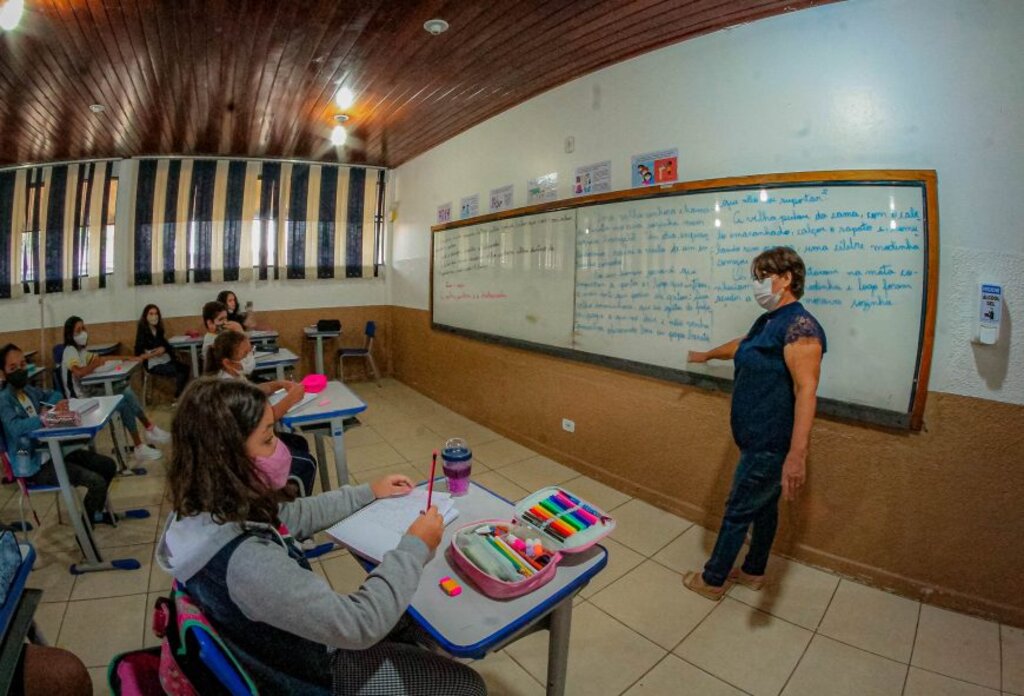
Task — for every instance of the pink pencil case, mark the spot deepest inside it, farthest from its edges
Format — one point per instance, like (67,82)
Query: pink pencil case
(314,384)
(482,565)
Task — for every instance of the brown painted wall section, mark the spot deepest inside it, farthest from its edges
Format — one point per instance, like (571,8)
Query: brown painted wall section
(289,323)
(936,515)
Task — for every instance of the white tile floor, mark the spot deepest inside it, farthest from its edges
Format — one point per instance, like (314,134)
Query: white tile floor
(635,631)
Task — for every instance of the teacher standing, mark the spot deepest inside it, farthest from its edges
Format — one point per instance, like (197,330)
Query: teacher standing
(777,366)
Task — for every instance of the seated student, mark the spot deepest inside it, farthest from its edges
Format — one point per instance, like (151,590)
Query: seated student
(151,345)
(231,357)
(215,319)
(21,406)
(79,362)
(230,301)
(230,543)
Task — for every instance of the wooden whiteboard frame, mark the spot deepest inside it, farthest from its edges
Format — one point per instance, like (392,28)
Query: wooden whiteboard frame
(913,419)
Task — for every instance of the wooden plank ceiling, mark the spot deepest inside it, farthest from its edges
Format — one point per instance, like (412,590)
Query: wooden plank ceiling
(257,77)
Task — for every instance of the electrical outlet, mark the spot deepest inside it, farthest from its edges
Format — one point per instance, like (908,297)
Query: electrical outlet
(568,425)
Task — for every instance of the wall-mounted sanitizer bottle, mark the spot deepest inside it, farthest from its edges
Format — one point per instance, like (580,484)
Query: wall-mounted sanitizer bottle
(990,313)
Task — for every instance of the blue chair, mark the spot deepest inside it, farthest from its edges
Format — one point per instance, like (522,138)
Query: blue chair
(366,351)
(58,378)
(25,490)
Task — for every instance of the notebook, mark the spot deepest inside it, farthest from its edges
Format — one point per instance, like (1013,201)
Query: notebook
(82,406)
(280,394)
(378,527)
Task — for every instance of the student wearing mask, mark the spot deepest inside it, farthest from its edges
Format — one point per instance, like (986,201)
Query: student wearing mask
(158,355)
(21,408)
(215,319)
(79,362)
(231,357)
(229,542)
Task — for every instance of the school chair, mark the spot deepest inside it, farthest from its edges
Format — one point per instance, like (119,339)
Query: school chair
(25,491)
(365,352)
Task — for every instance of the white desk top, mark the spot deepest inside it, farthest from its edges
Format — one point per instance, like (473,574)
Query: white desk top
(183,341)
(281,357)
(92,422)
(312,332)
(341,402)
(471,624)
(118,370)
(262,333)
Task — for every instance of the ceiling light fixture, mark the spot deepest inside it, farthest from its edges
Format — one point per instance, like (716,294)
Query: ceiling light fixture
(10,14)
(338,134)
(435,26)
(344,98)
(97,108)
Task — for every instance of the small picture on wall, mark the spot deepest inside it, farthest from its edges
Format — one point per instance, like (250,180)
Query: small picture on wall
(652,168)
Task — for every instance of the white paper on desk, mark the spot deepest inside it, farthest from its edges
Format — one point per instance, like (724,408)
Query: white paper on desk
(109,366)
(378,527)
(82,406)
(276,397)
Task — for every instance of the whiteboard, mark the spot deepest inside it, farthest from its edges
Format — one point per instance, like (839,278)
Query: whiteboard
(512,277)
(658,277)
(638,282)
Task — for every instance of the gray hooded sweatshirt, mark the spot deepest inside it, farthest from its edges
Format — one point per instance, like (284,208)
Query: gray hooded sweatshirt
(274,593)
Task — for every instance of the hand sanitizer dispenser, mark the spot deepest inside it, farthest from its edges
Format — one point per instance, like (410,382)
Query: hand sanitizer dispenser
(990,313)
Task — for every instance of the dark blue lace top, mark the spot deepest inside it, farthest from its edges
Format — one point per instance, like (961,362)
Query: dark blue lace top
(762,397)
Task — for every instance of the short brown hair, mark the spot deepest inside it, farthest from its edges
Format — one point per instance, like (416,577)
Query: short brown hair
(777,261)
(209,471)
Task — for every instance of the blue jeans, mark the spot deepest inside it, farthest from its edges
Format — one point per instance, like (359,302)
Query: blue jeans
(753,500)
(129,408)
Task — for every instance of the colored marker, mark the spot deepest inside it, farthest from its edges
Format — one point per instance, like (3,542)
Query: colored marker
(570,509)
(509,555)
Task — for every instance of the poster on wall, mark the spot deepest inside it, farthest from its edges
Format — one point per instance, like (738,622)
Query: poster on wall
(444,213)
(542,189)
(469,206)
(654,168)
(501,198)
(593,178)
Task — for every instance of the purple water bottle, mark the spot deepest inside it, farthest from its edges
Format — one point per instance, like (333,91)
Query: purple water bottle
(457,462)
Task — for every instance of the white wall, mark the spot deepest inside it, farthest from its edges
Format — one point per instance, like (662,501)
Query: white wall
(910,84)
(122,302)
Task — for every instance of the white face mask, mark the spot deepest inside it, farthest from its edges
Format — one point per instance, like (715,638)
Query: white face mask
(764,296)
(153,319)
(81,338)
(248,364)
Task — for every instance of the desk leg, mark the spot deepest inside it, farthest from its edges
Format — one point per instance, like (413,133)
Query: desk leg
(83,529)
(321,462)
(193,351)
(559,624)
(280,372)
(320,355)
(338,440)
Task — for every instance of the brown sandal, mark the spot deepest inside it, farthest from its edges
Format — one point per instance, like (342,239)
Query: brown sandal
(753,582)
(693,581)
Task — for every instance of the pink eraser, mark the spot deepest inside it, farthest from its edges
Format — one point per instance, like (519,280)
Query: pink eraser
(450,587)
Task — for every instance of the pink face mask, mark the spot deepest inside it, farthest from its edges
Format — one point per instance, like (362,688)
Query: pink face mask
(275,468)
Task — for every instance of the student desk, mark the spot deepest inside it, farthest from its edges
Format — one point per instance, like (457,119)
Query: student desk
(103,348)
(92,422)
(16,621)
(322,418)
(312,332)
(276,361)
(29,354)
(190,344)
(121,371)
(259,337)
(472,624)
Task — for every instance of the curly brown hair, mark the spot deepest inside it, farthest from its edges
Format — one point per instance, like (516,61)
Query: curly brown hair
(779,260)
(209,471)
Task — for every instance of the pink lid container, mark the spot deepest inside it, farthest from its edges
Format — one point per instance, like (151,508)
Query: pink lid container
(314,384)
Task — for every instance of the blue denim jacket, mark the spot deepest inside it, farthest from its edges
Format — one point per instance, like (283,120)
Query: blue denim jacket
(17,425)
